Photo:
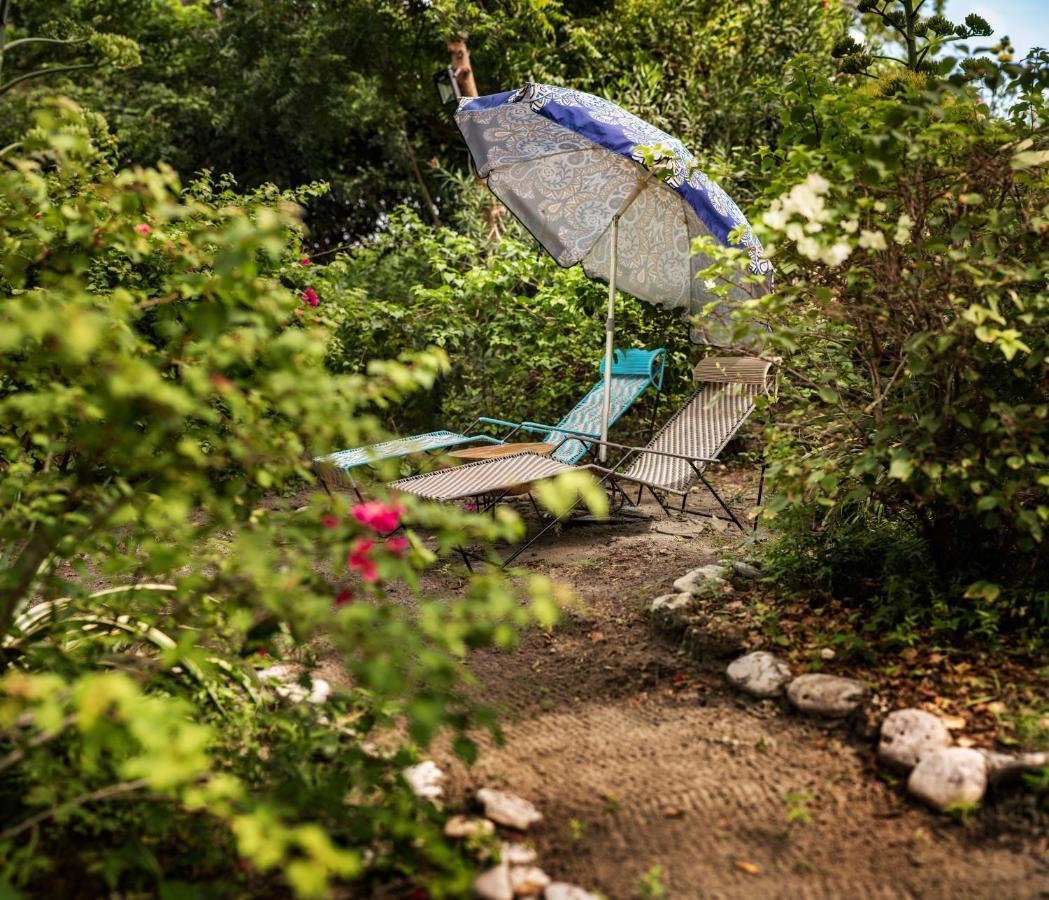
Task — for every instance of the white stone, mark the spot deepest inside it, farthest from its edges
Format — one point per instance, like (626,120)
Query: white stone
(908,734)
(953,776)
(494,884)
(746,570)
(320,690)
(284,680)
(1005,765)
(826,654)
(826,695)
(517,854)
(528,881)
(508,809)
(562,890)
(702,582)
(464,827)
(670,603)
(425,780)
(759,673)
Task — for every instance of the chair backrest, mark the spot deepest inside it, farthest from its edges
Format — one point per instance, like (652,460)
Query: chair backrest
(705,424)
(632,372)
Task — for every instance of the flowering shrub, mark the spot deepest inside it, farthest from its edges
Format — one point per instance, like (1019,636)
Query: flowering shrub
(909,227)
(162,390)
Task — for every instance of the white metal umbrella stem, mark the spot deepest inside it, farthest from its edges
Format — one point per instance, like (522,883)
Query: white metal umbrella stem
(610,324)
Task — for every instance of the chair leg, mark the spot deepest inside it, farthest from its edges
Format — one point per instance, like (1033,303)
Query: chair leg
(466,559)
(658,499)
(761,488)
(721,502)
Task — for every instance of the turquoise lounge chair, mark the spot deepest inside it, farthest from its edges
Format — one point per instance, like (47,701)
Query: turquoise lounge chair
(633,371)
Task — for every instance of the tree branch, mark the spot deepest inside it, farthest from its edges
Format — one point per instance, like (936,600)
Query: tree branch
(112,790)
(4,88)
(41,40)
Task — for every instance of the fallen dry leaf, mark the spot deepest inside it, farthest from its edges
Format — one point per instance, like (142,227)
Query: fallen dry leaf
(748,867)
(953,723)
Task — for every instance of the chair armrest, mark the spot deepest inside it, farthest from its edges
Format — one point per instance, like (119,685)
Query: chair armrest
(593,439)
(502,422)
(539,426)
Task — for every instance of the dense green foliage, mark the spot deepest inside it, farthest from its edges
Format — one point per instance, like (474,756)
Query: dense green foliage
(171,358)
(294,91)
(524,336)
(160,377)
(914,320)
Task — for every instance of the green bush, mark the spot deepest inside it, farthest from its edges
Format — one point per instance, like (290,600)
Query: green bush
(162,386)
(909,228)
(524,337)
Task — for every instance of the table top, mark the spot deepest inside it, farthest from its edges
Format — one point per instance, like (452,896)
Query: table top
(494,451)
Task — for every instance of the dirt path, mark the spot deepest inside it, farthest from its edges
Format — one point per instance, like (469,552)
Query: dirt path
(640,757)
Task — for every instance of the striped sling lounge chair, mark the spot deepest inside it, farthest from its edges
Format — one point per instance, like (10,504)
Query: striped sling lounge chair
(633,371)
(673,461)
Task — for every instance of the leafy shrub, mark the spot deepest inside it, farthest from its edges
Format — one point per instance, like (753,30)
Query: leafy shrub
(524,337)
(162,385)
(909,225)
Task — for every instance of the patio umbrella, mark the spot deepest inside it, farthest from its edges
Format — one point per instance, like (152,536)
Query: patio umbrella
(570,166)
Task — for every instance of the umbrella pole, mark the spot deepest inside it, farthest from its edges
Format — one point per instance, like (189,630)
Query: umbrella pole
(610,322)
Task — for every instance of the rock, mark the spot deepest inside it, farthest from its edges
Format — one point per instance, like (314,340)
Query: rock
(746,570)
(425,780)
(1006,765)
(320,691)
(759,673)
(508,809)
(517,854)
(826,654)
(670,603)
(285,683)
(528,881)
(908,734)
(465,826)
(702,582)
(494,883)
(826,695)
(953,776)
(562,890)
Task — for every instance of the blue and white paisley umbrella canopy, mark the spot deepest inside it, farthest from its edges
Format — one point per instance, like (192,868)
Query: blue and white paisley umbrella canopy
(569,166)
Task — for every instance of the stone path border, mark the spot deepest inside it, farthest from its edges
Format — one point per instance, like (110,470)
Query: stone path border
(945,777)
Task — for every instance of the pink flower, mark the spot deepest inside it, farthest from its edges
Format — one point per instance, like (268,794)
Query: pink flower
(397,545)
(343,597)
(330,521)
(310,296)
(471,506)
(376,514)
(305,261)
(143,228)
(37,215)
(262,652)
(359,559)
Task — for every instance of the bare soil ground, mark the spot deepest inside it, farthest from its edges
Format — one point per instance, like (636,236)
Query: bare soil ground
(640,757)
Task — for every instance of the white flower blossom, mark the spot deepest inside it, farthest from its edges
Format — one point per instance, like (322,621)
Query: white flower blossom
(849,225)
(872,240)
(903,229)
(837,254)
